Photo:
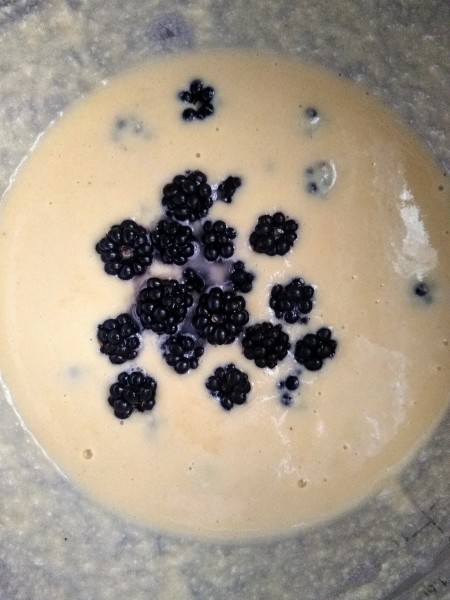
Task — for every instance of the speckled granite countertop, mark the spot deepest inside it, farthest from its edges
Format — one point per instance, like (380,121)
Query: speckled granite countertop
(54,542)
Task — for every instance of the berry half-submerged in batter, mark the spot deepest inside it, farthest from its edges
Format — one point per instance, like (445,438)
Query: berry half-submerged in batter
(274,234)
(292,301)
(133,390)
(187,197)
(119,338)
(314,348)
(126,250)
(174,242)
(220,316)
(266,344)
(162,304)
(182,352)
(230,385)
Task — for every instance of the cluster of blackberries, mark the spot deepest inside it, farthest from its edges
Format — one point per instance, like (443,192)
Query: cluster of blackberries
(201,97)
(182,353)
(230,385)
(188,313)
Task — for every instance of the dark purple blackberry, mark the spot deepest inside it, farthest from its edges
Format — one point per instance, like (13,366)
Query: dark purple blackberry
(292,301)
(201,98)
(217,240)
(126,250)
(314,348)
(241,280)
(162,305)
(227,188)
(182,353)
(274,234)
(193,281)
(230,385)
(119,338)
(174,242)
(266,344)
(220,316)
(132,391)
(187,197)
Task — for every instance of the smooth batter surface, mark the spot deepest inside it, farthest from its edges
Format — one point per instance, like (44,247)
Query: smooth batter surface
(189,465)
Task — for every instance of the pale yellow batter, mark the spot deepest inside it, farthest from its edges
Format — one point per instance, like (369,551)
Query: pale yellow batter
(383,226)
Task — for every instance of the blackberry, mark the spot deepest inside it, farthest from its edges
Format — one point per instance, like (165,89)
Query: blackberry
(227,188)
(217,240)
(241,280)
(266,344)
(293,301)
(274,234)
(220,316)
(162,305)
(230,385)
(132,391)
(313,349)
(119,338)
(174,242)
(126,250)
(193,281)
(181,352)
(201,97)
(187,197)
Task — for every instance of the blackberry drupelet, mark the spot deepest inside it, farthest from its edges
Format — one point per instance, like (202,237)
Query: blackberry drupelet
(230,385)
(201,97)
(132,391)
(193,281)
(162,305)
(274,234)
(220,316)
(287,386)
(187,197)
(126,250)
(119,338)
(266,344)
(313,349)
(227,188)
(182,353)
(174,242)
(293,301)
(217,240)
(241,280)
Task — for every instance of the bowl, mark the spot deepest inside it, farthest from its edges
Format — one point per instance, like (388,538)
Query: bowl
(57,543)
